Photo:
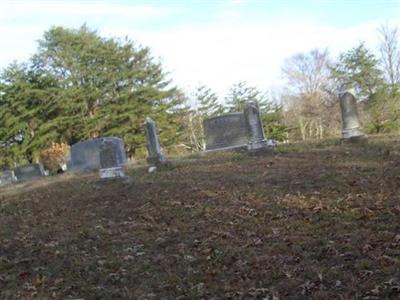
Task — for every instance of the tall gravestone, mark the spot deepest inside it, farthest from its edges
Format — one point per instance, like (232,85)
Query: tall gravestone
(351,127)
(110,164)
(29,172)
(227,131)
(85,155)
(7,177)
(254,126)
(153,144)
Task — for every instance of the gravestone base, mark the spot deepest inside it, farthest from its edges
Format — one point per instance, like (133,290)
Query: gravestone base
(264,150)
(352,133)
(231,148)
(254,146)
(111,173)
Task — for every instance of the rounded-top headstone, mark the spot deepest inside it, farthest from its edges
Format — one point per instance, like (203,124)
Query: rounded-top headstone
(351,126)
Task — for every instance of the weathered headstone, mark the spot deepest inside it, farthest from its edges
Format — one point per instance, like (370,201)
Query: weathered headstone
(111,166)
(227,131)
(153,144)
(29,172)
(7,177)
(254,126)
(85,155)
(351,127)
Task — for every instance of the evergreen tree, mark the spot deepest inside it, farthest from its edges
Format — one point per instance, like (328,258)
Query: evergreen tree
(239,94)
(207,101)
(79,85)
(358,69)
(24,109)
(271,112)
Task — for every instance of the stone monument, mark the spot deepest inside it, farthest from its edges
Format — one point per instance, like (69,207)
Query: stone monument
(351,127)
(110,165)
(254,126)
(153,144)
(228,131)
(7,177)
(240,130)
(85,155)
(29,172)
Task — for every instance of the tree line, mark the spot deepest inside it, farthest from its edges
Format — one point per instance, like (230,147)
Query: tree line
(315,79)
(79,85)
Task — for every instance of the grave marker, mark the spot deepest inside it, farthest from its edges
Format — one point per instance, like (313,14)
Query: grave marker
(227,131)
(29,172)
(85,155)
(7,177)
(351,127)
(254,126)
(111,166)
(153,144)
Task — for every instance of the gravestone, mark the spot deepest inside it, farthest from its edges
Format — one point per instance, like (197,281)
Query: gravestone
(153,144)
(227,131)
(7,177)
(29,172)
(254,126)
(85,155)
(351,127)
(111,165)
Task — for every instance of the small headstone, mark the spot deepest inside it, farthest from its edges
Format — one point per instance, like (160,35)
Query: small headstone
(228,131)
(29,172)
(351,127)
(85,155)
(110,165)
(153,144)
(254,126)
(7,177)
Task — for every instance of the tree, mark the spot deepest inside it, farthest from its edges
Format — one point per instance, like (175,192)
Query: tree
(358,69)
(271,111)
(307,72)
(240,93)
(382,111)
(207,102)
(79,85)
(390,54)
(309,99)
(24,110)
(273,122)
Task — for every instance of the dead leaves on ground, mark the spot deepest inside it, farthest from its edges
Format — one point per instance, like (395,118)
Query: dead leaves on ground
(310,224)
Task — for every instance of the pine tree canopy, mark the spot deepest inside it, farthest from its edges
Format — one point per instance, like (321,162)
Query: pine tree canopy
(80,85)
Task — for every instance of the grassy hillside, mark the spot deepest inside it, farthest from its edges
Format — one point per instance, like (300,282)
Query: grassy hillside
(311,222)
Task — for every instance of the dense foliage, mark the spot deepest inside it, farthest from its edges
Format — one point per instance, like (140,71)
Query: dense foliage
(79,85)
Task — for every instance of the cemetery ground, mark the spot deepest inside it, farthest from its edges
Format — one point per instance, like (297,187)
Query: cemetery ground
(313,221)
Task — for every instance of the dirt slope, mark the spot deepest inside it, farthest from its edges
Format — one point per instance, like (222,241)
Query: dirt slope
(311,222)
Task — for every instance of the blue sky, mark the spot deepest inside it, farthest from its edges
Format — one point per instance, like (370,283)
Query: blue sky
(216,43)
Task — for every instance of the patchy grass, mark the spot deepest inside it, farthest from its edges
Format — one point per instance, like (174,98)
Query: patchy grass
(313,223)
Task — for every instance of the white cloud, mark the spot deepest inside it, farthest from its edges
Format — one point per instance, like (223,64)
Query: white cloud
(221,54)
(218,53)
